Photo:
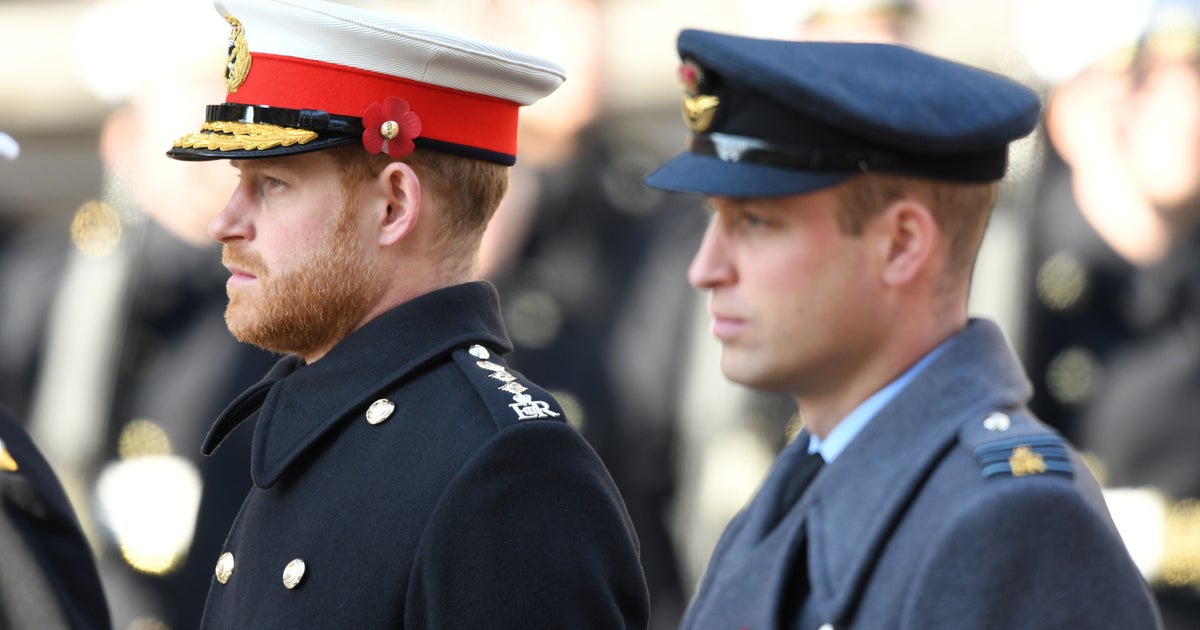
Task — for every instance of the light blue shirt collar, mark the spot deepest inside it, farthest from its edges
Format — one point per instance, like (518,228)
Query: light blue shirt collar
(853,424)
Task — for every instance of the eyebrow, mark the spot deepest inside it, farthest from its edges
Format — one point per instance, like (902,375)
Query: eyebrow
(257,164)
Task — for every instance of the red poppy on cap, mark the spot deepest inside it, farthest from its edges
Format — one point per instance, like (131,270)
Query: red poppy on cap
(389,127)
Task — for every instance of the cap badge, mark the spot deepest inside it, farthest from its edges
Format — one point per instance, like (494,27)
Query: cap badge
(698,109)
(389,127)
(238,64)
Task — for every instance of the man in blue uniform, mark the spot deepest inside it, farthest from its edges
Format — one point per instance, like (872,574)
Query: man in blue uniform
(850,186)
(403,476)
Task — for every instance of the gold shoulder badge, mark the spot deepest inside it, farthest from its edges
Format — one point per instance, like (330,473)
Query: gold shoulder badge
(7,463)
(237,67)
(698,109)
(1019,456)
(1024,461)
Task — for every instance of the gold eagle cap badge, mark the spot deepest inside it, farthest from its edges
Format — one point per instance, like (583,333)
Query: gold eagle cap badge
(698,109)
(237,66)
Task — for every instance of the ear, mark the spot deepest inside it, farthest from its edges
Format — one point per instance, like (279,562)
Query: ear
(402,193)
(907,233)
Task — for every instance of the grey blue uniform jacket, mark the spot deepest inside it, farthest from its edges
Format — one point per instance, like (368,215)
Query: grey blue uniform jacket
(48,577)
(463,501)
(952,509)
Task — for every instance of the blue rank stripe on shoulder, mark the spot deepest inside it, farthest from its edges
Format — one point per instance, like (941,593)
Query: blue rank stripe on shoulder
(1022,456)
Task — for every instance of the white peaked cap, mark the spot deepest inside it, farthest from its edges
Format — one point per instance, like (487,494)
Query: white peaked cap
(302,74)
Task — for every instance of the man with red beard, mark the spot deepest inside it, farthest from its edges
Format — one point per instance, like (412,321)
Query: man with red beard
(403,476)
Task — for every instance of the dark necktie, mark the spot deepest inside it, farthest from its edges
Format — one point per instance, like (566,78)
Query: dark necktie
(797,481)
(798,587)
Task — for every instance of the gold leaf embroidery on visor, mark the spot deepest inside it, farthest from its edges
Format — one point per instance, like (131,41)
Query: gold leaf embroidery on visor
(235,136)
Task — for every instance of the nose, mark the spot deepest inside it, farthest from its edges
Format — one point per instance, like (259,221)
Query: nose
(710,266)
(233,221)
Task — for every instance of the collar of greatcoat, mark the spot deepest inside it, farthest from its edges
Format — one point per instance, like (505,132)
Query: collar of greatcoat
(853,504)
(297,404)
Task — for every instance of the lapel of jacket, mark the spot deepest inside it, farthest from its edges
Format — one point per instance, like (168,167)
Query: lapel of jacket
(854,504)
(297,404)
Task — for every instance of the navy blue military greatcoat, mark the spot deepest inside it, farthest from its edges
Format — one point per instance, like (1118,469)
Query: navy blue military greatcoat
(952,509)
(409,479)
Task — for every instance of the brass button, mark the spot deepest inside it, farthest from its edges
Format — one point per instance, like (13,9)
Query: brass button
(224,567)
(999,422)
(380,410)
(293,573)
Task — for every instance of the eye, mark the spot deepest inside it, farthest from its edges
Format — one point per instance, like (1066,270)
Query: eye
(267,184)
(751,219)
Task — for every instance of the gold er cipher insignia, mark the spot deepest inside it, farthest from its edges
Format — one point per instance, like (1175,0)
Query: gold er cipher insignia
(232,136)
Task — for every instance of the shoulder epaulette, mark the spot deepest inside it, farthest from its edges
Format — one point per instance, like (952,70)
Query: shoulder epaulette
(508,395)
(1016,446)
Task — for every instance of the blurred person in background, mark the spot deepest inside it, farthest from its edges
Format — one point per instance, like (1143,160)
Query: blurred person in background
(590,268)
(1114,326)
(134,361)
(588,265)
(48,576)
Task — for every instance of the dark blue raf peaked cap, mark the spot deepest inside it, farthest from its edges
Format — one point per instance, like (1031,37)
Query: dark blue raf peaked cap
(773,117)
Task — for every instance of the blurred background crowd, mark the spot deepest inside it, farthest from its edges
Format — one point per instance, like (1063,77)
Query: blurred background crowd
(113,349)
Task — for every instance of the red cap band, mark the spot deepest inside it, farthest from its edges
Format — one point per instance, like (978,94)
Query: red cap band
(447,115)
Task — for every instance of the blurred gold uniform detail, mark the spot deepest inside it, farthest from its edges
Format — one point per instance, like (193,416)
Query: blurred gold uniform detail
(7,463)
